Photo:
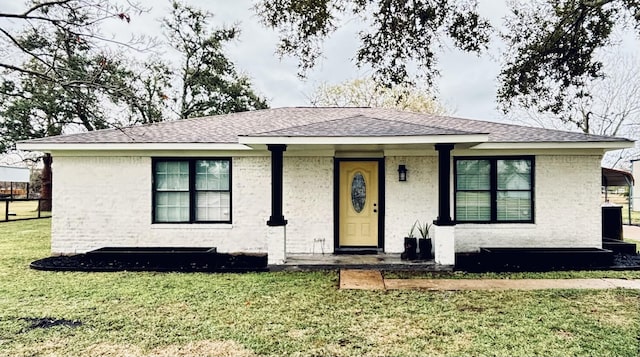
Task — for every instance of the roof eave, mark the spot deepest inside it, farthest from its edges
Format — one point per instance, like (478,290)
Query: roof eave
(49,147)
(604,145)
(362,140)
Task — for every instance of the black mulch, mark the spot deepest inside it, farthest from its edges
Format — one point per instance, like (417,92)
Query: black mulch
(628,261)
(218,262)
(243,262)
(477,263)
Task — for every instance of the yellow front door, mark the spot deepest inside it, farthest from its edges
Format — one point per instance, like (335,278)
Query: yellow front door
(358,204)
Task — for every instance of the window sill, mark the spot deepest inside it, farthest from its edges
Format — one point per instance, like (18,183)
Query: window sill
(191,226)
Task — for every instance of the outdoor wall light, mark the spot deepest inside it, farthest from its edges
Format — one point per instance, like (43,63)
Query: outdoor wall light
(402,173)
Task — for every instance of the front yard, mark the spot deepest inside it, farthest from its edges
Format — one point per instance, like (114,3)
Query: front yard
(173,314)
(20,210)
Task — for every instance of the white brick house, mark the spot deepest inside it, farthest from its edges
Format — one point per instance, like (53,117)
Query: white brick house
(293,181)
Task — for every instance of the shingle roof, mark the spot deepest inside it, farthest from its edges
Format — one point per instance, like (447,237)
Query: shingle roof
(310,121)
(361,125)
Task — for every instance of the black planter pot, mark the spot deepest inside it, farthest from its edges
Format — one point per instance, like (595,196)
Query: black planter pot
(410,247)
(425,249)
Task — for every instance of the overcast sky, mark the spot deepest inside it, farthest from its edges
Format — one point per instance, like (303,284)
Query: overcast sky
(467,84)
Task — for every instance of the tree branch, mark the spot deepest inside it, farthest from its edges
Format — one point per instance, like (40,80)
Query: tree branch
(44,4)
(27,71)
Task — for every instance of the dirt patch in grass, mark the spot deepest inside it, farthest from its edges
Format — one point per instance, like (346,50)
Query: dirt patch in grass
(204,348)
(113,350)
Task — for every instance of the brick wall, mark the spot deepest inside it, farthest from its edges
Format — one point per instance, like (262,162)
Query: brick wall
(567,210)
(308,204)
(106,201)
(414,199)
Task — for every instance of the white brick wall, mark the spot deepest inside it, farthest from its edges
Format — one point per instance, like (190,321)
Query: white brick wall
(308,204)
(106,201)
(414,199)
(567,210)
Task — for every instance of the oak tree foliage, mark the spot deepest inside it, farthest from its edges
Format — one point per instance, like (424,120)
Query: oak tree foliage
(553,49)
(551,45)
(209,81)
(396,33)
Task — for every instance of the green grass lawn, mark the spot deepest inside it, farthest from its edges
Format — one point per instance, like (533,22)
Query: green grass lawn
(173,314)
(21,210)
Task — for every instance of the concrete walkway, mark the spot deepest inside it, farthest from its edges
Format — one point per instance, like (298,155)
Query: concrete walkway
(373,280)
(631,232)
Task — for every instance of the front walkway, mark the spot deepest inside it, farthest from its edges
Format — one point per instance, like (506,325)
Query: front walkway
(373,280)
(631,232)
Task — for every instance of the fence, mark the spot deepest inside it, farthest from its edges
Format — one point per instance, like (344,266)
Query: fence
(22,208)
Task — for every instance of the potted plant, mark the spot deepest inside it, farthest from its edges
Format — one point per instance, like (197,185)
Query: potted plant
(424,243)
(410,244)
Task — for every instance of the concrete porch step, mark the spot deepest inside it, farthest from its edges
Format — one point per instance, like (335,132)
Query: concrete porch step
(380,261)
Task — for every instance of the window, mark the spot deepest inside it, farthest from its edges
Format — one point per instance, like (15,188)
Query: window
(494,189)
(192,190)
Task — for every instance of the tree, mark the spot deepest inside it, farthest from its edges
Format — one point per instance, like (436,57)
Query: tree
(398,33)
(77,20)
(69,82)
(33,106)
(209,82)
(552,51)
(365,92)
(612,108)
(550,43)
(58,71)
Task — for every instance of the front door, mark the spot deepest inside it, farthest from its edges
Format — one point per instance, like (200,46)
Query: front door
(358,204)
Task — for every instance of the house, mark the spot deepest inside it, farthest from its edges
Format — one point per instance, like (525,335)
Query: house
(293,181)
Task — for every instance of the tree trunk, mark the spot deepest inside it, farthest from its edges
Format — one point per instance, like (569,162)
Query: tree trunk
(45,188)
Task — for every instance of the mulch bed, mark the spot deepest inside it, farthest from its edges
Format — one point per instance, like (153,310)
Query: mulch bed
(219,262)
(474,262)
(243,262)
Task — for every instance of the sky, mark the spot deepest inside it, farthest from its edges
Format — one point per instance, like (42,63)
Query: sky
(466,87)
(467,84)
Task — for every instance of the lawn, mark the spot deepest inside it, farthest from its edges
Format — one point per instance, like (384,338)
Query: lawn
(21,210)
(285,313)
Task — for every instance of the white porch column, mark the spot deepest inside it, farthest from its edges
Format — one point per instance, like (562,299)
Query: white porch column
(444,244)
(445,228)
(276,225)
(276,245)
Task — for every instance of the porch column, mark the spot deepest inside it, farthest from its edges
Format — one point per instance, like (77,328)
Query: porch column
(444,185)
(444,226)
(277,230)
(276,219)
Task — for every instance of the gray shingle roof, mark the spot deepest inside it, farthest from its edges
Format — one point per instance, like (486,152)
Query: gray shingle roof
(361,125)
(310,121)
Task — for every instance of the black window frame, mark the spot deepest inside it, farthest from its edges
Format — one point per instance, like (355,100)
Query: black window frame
(493,187)
(192,188)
